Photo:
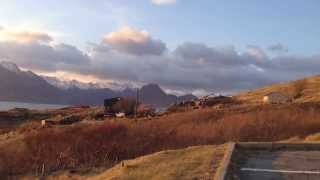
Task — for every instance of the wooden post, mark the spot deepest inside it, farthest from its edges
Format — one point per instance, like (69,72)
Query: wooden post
(43,170)
(137,104)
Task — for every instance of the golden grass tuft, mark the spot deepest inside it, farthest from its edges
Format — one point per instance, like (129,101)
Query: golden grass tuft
(313,137)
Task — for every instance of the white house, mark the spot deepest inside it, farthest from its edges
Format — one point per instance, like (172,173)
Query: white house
(121,115)
(275,98)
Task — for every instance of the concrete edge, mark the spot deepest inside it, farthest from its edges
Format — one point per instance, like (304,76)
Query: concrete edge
(223,169)
(279,146)
(225,165)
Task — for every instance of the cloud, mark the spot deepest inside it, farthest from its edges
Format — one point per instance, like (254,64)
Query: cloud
(24,36)
(43,57)
(196,66)
(199,55)
(278,48)
(131,41)
(129,55)
(256,52)
(163,2)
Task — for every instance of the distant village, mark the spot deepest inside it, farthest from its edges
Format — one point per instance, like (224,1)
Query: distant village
(130,108)
(120,107)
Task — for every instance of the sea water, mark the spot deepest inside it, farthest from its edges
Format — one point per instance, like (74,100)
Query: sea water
(4,105)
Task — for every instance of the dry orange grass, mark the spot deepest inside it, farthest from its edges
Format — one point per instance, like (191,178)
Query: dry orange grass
(198,162)
(86,146)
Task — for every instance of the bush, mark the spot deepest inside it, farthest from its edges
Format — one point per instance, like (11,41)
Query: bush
(298,87)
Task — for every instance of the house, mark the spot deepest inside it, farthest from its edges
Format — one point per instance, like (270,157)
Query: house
(109,103)
(48,123)
(275,98)
(59,120)
(120,115)
(68,120)
(210,101)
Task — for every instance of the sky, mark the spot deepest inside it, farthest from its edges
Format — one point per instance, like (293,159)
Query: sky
(197,46)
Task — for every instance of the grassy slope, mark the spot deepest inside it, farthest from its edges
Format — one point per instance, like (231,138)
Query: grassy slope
(203,123)
(311,93)
(190,163)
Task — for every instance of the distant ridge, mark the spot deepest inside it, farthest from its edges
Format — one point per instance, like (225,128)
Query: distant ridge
(26,86)
(153,94)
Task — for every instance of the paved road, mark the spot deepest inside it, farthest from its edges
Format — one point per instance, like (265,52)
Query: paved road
(279,165)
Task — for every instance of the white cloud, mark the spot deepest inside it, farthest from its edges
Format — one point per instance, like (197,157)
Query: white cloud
(42,56)
(132,41)
(24,36)
(256,52)
(163,2)
(126,34)
(28,34)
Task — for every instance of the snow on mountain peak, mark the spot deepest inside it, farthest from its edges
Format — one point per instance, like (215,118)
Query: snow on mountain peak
(10,66)
(69,84)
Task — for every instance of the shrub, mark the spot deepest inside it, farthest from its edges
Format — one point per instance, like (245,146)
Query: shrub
(298,87)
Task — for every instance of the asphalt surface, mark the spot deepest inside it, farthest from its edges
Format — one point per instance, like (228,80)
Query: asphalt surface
(278,165)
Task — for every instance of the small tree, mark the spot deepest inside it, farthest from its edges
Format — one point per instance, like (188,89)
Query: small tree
(298,88)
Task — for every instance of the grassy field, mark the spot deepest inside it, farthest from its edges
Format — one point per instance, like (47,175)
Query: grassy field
(107,143)
(191,163)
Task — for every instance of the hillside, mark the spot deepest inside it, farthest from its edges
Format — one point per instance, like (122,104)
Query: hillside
(310,91)
(198,162)
(153,94)
(95,144)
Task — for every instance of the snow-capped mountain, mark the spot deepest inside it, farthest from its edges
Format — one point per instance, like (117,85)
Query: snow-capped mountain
(59,83)
(69,84)
(26,86)
(10,66)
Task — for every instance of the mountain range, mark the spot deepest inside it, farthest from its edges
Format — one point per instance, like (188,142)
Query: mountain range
(26,86)
(68,84)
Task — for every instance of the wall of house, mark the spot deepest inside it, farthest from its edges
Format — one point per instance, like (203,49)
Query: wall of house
(275,98)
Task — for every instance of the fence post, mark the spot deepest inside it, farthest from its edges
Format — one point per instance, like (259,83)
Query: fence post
(43,170)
